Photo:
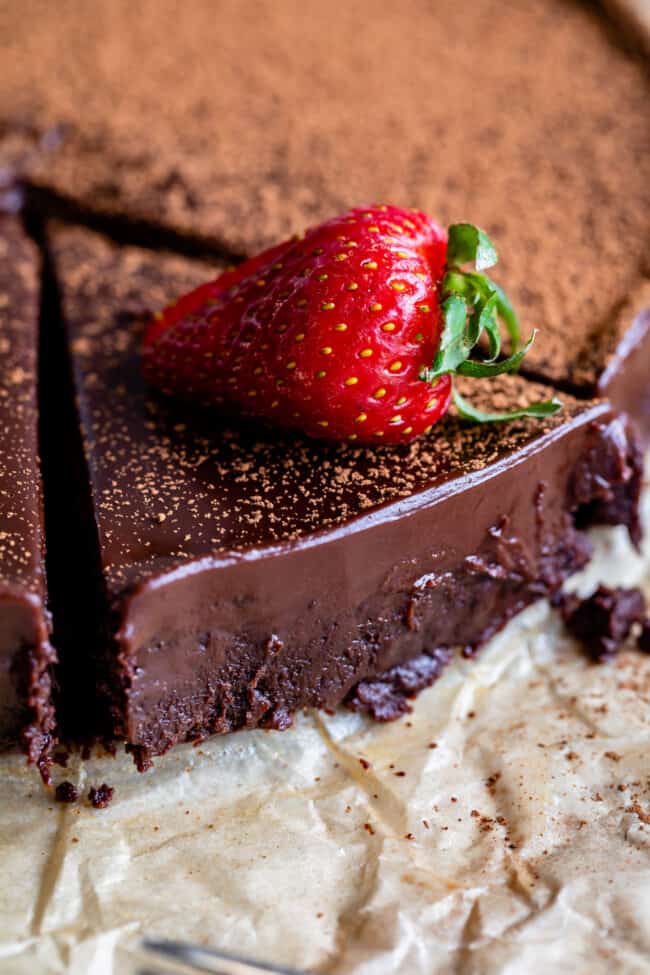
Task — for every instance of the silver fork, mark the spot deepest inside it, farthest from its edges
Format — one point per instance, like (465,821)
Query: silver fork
(196,958)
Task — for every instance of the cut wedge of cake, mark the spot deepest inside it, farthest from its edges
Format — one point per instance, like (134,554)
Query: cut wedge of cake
(246,573)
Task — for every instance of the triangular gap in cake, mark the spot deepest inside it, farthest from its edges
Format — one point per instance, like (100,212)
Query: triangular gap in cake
(76,591)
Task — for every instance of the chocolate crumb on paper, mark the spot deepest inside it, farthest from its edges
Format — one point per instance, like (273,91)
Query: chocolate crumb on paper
(640,812)
(604,621)
(66,792)
(101,796)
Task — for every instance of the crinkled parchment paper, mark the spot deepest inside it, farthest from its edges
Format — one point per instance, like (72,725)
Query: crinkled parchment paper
(504,826)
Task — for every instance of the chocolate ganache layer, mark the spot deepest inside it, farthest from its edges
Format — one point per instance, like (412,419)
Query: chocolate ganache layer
(26,711)
(246,574)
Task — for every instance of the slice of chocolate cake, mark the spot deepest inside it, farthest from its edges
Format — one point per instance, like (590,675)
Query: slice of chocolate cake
(26,711)
(248,573)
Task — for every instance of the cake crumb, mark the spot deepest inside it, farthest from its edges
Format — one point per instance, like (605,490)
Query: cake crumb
(101,796)
(66,792)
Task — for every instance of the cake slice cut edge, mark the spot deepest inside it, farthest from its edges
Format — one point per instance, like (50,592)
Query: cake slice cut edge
(27,714)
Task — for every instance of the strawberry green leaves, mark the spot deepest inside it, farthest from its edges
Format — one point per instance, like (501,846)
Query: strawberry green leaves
(488,367)
(468,412)
(474,306)
(468,244)
(506,313)
(455,342)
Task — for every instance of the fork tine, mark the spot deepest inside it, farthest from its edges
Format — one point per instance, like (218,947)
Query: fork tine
(189,966)
(204,959)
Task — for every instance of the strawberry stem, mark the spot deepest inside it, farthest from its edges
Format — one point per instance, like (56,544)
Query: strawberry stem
(474,305)
(468,412)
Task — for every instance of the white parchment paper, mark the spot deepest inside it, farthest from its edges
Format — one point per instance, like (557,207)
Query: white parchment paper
(504,826)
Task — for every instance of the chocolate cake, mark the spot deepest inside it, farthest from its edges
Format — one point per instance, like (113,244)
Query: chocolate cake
(210,575)
(247,573)
(26,712)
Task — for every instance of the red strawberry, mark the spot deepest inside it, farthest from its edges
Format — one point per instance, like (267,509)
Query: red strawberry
(351,332)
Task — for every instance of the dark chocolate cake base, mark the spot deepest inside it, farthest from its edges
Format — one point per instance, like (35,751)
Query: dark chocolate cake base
(26,656)
(247,574)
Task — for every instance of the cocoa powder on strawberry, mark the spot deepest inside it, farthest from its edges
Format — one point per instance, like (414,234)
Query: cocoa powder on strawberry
(352,332)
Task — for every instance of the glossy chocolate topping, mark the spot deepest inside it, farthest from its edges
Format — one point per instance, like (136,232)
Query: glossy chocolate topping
(248,573)
(25,654)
